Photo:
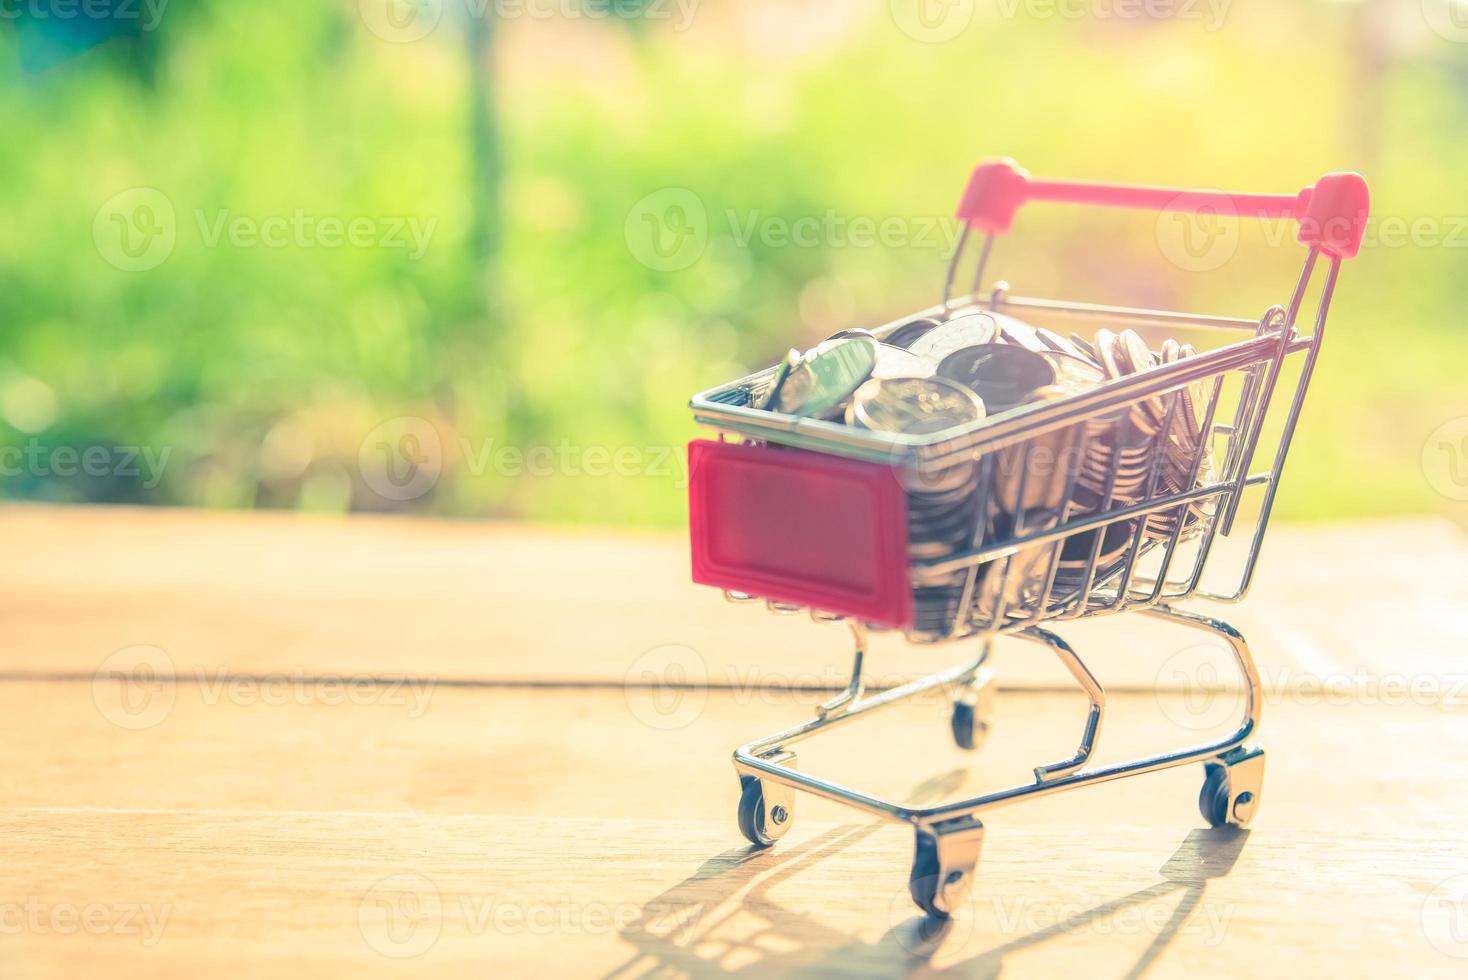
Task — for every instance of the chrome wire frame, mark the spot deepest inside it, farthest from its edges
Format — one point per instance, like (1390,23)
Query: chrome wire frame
(767,758)
(1256,361)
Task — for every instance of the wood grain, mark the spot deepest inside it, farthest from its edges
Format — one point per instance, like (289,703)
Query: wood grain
(512,828)
(255,594)
(217,893)
(537,801)
(568,752)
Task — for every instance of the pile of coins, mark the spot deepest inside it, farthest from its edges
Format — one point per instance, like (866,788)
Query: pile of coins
(931,375)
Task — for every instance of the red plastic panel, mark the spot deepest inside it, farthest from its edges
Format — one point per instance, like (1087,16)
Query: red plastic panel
(800,527)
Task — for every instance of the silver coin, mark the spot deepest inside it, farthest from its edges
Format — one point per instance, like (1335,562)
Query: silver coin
(939,485)
(1116,359)
(944,524)
(969,330)
(1074,372)
(1059,344)
(1019,333)
(948,538)
(1086,348)
(786,366)
(1135,358)
(1115,541)
(894,362)
(904,335)
(827,376)
(1193,397)
(1134,353)
(936,508)
(1002,375)
(913,405)
(1108,345)
(1032,475)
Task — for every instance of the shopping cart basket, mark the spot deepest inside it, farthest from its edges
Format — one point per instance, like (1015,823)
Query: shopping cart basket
(811,514)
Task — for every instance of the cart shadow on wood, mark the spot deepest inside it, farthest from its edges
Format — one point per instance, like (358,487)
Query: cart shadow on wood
(722,920)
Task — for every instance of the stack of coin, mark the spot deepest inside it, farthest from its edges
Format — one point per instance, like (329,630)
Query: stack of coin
(1029,497)
(1162,434)
(935,374)
(1128,459)
(941,510)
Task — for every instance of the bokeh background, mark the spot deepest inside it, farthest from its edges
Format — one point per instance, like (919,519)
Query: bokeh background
(471,257)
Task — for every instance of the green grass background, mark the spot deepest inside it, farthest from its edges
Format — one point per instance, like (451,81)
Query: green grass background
(263,370)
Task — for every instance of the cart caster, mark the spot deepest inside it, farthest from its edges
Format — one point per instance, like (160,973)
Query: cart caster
(943,864)
(973,711)
(766,808)
(1231,787)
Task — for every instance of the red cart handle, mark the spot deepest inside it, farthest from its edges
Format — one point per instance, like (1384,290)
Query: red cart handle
(1331,214)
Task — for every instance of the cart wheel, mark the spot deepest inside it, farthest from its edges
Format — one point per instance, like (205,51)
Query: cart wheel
(973,715)
(944,860)
(1213,798)
(963,725)
(762,824)
(1231,787)
(922,881)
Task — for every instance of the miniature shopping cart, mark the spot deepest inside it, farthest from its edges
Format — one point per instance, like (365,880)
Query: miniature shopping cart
(811,514)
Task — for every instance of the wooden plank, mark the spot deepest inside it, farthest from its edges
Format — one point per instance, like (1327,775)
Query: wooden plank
(292,834)
(542,791)
(187,894)
(649,755)
(256,594)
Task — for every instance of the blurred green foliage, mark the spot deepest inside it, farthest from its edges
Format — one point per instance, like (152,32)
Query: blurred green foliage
(267,372)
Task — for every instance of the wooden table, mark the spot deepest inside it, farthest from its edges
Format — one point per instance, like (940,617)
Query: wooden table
(287,746)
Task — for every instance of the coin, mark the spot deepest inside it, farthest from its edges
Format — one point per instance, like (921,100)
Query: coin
(1074,372)
(1134,353)
(969,330)
(894,362)
(1075,554)
(1020,333)
(1086,347)
(937,483)
(786,366)
(1179,471)
(913,405)
(1122,355)
(910,331)
(1039,466)
(1059,344)
(1135,358)
(1193,396)
(1108,345)
(827,376)
(1002,375)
